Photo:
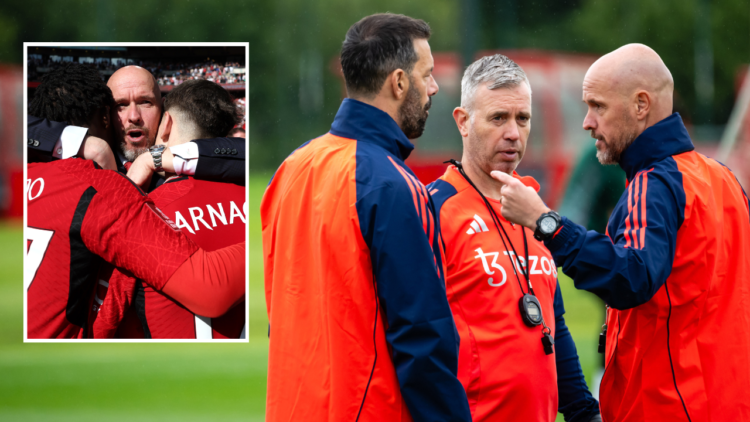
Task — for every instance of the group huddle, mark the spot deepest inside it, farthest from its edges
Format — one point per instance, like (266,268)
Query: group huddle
(137,209)
(389,300)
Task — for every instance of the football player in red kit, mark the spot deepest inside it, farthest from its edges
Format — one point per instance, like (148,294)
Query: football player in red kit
(210,213)
(80,216)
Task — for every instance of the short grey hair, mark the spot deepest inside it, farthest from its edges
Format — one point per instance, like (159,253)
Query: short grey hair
(498,70)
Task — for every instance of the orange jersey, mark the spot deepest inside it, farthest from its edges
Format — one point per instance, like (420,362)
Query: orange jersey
(360,328)
(674,268)
(502,364)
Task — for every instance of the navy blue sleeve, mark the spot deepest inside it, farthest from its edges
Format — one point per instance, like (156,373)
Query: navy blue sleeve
(43,135)
(411,289)
(627,270)
(221,160)
(575,401)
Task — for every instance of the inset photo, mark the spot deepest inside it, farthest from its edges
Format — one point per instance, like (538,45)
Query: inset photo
(136,202)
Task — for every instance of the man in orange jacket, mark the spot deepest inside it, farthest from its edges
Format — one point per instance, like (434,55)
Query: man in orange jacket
(492,264)
(360,327)
(673,266)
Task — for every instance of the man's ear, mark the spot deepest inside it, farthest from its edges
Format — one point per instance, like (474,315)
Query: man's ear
(642,104)
(165,128)
(461,116)
(399,84)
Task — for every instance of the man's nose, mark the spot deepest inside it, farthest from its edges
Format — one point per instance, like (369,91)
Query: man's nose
(589,123)
(433,88)
(512,133)
(134,114)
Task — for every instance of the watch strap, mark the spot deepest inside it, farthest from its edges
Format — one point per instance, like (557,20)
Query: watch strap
(156,153)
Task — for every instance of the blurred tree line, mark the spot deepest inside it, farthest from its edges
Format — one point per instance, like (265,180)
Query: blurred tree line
(294,92)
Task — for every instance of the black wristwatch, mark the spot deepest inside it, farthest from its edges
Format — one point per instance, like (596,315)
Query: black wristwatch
(547,225)
(156,152)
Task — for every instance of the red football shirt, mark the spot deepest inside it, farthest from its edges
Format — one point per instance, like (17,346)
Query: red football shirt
(78,217)
(501,361)
(213,215)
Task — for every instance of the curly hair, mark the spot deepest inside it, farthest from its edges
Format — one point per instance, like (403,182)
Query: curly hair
(72,93)
(205,106)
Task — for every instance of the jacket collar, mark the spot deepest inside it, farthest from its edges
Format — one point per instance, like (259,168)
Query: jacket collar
(664,139)
(363,122)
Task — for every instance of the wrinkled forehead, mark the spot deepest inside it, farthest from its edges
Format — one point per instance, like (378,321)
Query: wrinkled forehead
(597,84)
(516,97)
(134,84)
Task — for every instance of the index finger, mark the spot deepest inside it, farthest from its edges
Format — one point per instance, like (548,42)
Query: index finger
(502,177)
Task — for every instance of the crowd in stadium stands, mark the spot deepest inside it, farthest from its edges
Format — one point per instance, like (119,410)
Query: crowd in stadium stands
(210,71)
(166,74)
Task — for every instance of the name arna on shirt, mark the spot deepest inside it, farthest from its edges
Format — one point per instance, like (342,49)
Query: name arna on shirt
(211,216)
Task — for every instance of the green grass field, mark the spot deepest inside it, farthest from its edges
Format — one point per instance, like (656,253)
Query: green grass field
(166,382)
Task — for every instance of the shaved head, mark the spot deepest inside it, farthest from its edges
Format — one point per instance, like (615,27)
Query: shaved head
(627,91)
(130,75)
(137,111)
(634,67)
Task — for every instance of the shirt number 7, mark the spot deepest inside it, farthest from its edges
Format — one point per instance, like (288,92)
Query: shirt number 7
(37,243)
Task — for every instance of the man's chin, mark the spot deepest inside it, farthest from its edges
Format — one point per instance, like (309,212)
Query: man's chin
(505,167)
(605,157)
(131,153)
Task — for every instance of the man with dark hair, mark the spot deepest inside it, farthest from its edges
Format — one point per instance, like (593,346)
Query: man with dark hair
(360,327)
(80,216)
(210,213)
(365,72)
(78,92)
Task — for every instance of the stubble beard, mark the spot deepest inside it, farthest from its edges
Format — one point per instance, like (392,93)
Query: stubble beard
(612,152)
(413,116)
(131,154)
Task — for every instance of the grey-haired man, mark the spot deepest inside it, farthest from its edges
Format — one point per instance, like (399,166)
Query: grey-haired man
(501,281)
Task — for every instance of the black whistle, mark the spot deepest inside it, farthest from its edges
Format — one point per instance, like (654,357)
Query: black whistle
(547,343)
(603,341)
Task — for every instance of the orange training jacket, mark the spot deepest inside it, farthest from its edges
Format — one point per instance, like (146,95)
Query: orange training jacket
(675,270)
(360,327)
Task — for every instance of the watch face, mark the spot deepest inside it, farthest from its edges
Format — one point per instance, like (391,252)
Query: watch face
(548,225)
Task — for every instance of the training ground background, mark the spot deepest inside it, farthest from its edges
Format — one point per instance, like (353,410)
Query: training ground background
(170,382)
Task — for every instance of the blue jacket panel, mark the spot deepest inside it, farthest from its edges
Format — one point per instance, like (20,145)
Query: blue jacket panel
(632,261)
(397,221)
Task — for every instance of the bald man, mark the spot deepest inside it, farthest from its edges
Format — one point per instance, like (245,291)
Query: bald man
(673,265)
(137,111)
(135,120)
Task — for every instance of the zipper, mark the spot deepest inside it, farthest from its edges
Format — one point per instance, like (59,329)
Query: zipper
(607,365)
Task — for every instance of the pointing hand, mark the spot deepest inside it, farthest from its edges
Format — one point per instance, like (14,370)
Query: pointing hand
(521,204)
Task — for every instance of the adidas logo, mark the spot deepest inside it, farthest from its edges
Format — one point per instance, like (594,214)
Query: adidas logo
(477,225)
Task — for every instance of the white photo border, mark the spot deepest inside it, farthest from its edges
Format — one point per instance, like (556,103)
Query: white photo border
(26,46)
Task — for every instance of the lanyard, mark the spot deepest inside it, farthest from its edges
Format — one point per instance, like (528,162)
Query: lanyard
(529,306)
(503,234)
